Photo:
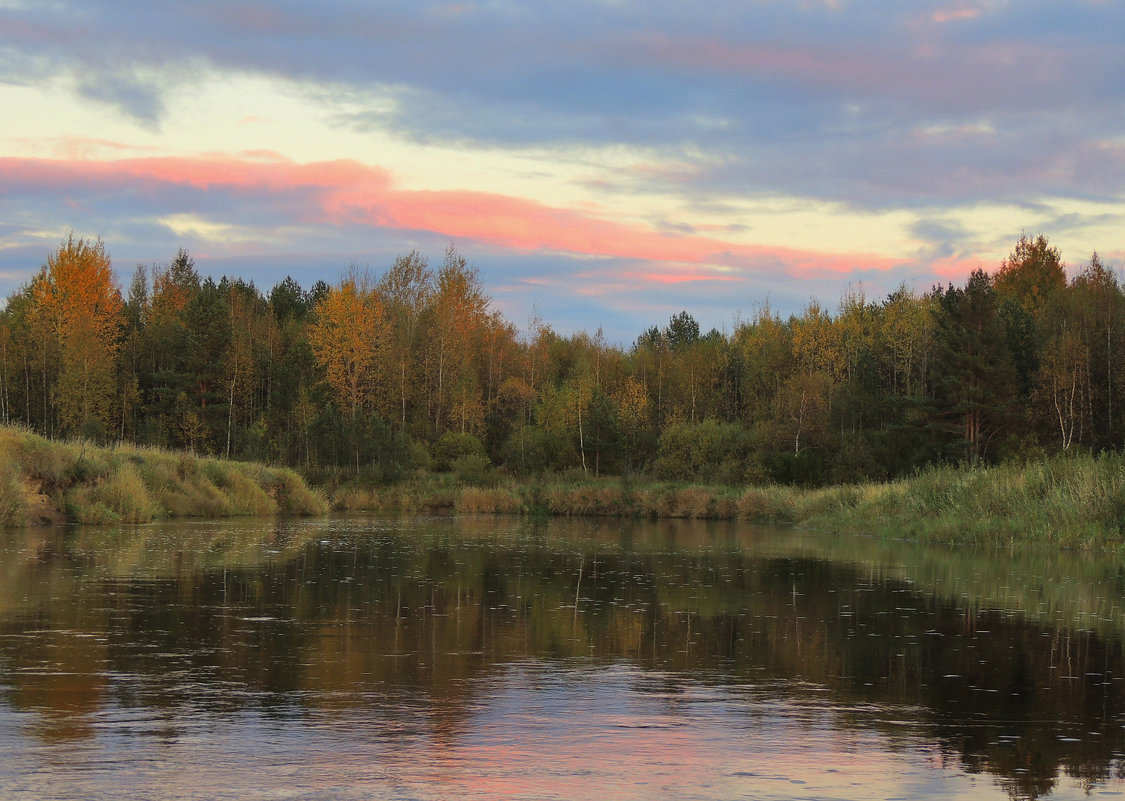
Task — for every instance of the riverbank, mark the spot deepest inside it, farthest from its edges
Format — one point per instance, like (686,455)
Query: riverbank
(1075,501)
(1066,501)
(45,481)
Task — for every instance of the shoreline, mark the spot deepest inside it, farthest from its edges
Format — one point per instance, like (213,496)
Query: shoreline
(1073,502)
(50,482)
(1064,502)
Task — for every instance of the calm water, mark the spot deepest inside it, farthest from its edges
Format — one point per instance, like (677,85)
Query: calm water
(429,659)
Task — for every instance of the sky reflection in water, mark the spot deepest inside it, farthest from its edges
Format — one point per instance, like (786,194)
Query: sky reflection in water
(363,658)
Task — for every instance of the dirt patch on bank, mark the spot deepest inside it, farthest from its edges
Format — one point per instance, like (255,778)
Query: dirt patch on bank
(41,511)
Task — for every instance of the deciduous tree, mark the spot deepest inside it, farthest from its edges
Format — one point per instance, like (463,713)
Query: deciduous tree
(406,290)
(348,338)
(460,310)
(81,300)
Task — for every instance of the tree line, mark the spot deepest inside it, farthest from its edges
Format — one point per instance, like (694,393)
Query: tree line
(381,375)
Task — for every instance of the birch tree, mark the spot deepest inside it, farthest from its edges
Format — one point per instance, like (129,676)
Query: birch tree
(81,300)
(348,338)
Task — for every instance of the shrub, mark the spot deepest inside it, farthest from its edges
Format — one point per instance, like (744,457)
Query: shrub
(473,469)
(13,500)
(244,492)
(474,500)
(418,456)
(124,493)
(135,485)
(767,504)
(293,496)
(452,445)
(83,469)
(528,451)
(707,451)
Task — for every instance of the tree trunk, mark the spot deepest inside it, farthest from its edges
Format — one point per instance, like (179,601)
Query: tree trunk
(27,391)
(800,423)
(440,385)
(230,412)
(581,439)
(402,390)
(1108,382)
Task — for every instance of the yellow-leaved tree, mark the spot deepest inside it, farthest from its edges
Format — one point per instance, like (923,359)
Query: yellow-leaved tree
(460,311)
(79,297)
(348,339)
(406,290)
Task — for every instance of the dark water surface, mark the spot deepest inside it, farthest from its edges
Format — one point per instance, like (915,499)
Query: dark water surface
(432,659)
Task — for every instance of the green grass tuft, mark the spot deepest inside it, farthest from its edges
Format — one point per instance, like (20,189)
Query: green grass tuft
(82,483)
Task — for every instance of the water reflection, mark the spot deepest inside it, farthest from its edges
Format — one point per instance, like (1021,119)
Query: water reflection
(506,658)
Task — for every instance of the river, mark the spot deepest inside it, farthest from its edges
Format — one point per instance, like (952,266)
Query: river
(373,658)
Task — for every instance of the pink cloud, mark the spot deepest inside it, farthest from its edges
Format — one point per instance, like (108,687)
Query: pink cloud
(665,278)
(957,269)
(956,11)
(337,193)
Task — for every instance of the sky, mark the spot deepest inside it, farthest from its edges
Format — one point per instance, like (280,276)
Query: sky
(603,163)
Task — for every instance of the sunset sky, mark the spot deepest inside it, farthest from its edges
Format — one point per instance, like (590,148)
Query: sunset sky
(608,161)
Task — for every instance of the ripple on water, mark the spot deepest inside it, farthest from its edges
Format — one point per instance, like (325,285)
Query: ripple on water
(433,659)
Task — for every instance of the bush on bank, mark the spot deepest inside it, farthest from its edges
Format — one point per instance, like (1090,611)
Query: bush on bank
(48,481)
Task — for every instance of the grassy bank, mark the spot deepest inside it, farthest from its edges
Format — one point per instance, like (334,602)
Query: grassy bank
(1072,502)
(44,481)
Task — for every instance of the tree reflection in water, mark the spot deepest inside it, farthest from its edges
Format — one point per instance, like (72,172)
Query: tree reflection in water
(1008,665)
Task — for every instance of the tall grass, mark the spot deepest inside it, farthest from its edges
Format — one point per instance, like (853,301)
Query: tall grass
(1068,501)
(1073,502)
(43,480)
(13,495)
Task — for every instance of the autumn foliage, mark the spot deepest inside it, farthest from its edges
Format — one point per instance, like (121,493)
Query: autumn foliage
(384,375)
(77,304)
(348,338)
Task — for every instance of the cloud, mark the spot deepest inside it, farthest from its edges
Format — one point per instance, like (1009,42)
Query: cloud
(139,99)
(874,107)
(604,71)
(682,278)
(924,116)
(345,192)
(267,215)
(954,13)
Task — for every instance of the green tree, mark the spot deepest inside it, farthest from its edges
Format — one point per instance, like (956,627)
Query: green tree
(764,348)
(975,381)
(167,349)
(1097,308)
(1028,287)
(292,377)
(1063,381)
(247,326)
(460,309)
(407,290)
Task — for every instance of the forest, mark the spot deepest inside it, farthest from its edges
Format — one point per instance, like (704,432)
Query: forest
(378,377)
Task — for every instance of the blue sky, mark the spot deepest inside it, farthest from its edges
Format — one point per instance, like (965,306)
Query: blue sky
(608,163)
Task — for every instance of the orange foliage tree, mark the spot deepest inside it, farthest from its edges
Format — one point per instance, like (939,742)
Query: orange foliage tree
(79,297)
(348,339)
